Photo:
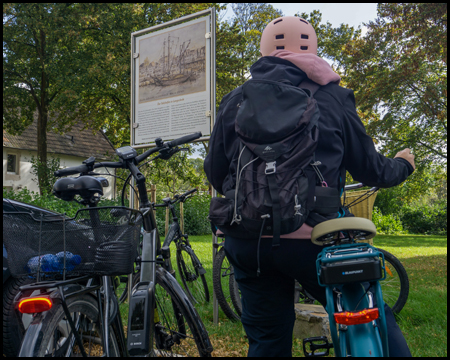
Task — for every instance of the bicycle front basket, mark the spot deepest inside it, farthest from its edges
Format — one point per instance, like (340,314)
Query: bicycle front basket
(100,241)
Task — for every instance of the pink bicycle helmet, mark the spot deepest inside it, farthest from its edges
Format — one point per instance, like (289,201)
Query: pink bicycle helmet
(289,33)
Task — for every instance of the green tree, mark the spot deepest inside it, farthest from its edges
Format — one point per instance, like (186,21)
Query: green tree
(251,19)
(174,175)
(41,65)
(399,74)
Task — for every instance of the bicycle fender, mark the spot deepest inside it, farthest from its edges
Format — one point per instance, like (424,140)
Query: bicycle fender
(32,336)
(364,339)
(182,298)
(34,333)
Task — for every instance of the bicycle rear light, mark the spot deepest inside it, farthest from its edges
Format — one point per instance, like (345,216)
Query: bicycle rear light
(35,305)
(356,318)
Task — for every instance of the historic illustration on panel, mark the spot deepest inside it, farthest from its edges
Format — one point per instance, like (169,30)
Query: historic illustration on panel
(173,63)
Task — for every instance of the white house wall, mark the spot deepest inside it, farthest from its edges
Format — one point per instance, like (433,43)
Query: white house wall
(24,178)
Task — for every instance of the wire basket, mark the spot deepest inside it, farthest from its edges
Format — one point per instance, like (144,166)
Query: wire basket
(97,241)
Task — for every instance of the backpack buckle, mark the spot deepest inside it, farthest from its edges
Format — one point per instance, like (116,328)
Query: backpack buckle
(270,167)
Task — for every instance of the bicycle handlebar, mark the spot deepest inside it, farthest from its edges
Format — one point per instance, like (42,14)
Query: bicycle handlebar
(358,186)
(177,198)
(85,169)
(185,195)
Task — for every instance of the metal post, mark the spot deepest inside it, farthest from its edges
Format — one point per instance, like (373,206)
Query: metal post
(132,205)
(213,120)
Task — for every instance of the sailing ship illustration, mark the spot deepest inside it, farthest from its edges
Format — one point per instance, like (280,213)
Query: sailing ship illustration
(174,67)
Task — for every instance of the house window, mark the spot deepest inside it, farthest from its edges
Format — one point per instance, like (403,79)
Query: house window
(11,166)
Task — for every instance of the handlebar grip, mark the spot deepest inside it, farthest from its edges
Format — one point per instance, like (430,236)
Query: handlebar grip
(184,139)
(71,170)
(189,192)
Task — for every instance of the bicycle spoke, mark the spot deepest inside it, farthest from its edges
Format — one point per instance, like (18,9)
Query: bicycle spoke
(172,334)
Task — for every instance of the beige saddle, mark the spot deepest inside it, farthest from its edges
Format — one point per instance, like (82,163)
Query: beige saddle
(330,231)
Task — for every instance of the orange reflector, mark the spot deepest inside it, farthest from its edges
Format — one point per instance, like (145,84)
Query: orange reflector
(389,271)
(35,305)
(355,318)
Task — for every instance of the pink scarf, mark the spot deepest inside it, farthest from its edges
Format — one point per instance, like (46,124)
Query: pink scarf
(316,68)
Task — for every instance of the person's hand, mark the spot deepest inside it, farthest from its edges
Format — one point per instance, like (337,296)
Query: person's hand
(406,154)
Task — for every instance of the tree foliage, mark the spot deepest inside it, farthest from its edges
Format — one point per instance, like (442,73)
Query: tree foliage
(41,69)
(398,71)
(71,62)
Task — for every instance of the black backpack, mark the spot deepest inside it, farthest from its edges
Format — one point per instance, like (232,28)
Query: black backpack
(277,124)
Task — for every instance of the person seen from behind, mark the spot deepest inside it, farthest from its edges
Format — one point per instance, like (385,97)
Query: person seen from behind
(289,52)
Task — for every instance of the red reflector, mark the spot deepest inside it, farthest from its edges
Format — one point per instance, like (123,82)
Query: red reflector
(355,318)
(35,305)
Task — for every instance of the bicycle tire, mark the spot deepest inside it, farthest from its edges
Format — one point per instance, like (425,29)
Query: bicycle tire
(395,287)
(121,289)
(178,328)
(222,270)
(13,327)
(301,296)
(54,324)
(194,283)
(235,295)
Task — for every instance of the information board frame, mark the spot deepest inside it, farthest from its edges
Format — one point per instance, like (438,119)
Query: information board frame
(208,96)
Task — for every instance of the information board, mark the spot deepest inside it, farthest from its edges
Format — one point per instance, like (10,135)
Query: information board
(173,80)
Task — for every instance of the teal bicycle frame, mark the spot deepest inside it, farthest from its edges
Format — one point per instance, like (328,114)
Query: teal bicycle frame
(360,340)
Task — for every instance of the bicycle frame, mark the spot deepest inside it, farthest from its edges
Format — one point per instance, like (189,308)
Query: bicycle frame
(365,339)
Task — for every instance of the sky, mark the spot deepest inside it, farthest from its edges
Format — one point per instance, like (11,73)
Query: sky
(353,14)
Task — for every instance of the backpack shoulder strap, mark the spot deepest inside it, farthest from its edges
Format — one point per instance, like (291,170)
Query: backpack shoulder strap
(310,85)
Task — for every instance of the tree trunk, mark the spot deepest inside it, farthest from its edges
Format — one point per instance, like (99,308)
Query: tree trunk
(42,123)
(42,149)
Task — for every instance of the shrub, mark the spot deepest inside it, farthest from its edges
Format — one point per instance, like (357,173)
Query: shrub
(196,212)
(387,224)
(195,215)
(425,219)
(51,202)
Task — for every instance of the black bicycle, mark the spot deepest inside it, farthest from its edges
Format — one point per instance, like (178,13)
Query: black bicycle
(75,260)
(395,287)
(190,269)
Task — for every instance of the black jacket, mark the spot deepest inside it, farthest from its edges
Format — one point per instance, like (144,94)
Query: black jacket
(343,142)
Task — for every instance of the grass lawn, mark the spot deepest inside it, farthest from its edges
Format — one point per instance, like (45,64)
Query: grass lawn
(423,320)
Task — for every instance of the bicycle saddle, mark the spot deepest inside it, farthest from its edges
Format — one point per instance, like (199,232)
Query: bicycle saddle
(85,186)
(328,232)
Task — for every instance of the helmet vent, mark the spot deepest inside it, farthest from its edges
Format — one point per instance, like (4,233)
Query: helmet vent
(276,22)
(280,36)
(303,48)
(303,36)
(302,20)
(280,47)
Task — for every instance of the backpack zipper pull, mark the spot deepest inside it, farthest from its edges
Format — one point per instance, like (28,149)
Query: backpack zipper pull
(297,207)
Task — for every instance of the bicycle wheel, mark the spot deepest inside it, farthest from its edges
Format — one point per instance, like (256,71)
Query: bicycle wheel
(14,324)
(222,271)
(57,339)
(121,288)
(396,286)
(235,295)
(192,274)
(178,328)
(301,296)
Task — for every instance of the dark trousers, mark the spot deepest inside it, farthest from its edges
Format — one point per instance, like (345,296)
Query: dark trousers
(268,299)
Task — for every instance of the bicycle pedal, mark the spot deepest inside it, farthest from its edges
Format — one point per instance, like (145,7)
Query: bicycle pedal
(317,343)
